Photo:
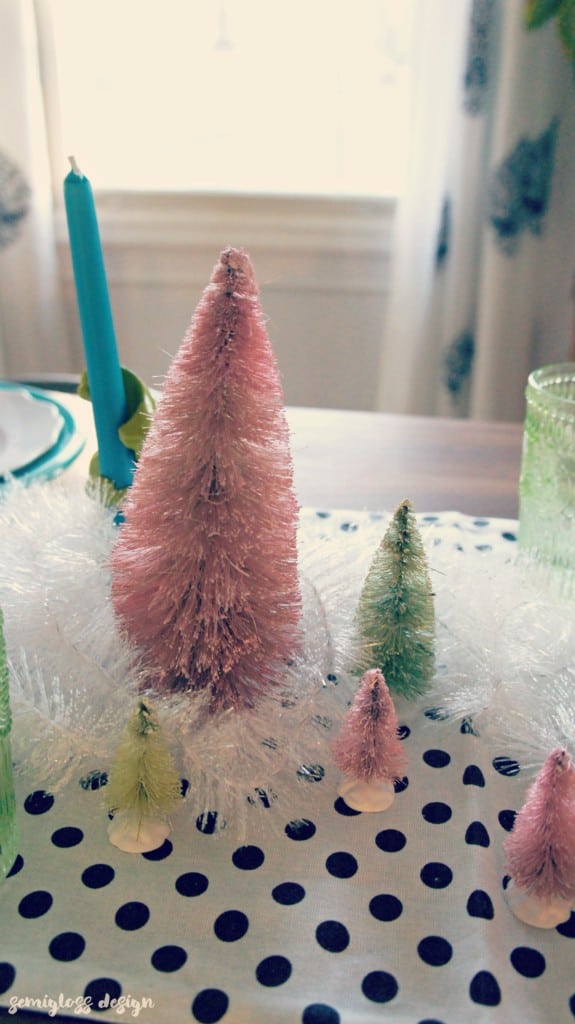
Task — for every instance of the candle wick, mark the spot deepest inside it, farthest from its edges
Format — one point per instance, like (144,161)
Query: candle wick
(75,167)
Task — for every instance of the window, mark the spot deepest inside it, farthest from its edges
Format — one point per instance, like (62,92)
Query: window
(306,97)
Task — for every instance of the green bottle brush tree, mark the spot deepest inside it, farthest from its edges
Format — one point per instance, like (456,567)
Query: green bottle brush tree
(395,618)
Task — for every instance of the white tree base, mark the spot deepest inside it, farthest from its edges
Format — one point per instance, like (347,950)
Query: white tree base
(537,912)
(137,835)
(373,796)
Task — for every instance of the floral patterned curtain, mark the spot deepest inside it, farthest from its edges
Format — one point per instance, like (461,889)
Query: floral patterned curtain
(481,289)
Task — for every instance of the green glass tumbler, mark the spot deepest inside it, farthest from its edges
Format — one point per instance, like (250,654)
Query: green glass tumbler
(8,822)
(547,481)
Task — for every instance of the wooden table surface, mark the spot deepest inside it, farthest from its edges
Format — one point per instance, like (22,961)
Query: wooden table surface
(367,460)
(374,460)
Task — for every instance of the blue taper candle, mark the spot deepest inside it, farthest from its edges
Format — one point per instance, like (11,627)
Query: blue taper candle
(102,364)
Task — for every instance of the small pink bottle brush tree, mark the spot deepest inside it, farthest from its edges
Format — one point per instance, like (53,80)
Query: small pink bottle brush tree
(540,849)
(368,747)
(204,571)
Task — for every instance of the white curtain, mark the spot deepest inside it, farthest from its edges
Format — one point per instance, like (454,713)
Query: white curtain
(484,256)
(33,333)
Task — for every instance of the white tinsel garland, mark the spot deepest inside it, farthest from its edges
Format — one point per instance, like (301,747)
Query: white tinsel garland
(74,681)
(505,656)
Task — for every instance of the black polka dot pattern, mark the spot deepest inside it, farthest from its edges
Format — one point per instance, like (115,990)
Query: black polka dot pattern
(16,867)
(320,1013)
(435,950)
(131,916)
(476,834)
(437,758)
(94,780)
(473,776)
(209,823)
(248,858)
(567,929)
(210,1005)
(399,785)
(38,802)
(67,946)
(506,819)
(161,853)
(436,813)
(7,975)
(484,989)
(273,971)
(300,830)
(480,904)
(436,714)
(169,958)
(67,837)
(467,727)
(100,993)
(390,840)
(333,936)
(231,925)
(331,915)
(96,876)
(379,987)
(288,893)
(528,962)
(506,765)
(341,864)
(436,875)
(311,772)
(385,907)
(262,798)
(342,808)
(192,883)
(35,904)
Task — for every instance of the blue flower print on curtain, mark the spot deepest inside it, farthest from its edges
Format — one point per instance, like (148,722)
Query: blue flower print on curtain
(521,187)
(458,363)
(443,235)
(14,200)
(476,77)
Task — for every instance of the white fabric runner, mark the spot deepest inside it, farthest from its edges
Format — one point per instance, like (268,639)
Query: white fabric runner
(349,918)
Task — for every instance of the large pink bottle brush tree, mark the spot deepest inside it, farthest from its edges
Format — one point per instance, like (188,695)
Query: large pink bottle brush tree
(204,571)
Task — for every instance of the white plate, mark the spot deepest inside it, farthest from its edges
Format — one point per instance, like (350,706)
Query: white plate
(29,427)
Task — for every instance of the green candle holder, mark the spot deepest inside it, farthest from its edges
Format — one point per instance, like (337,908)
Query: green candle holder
(547,481)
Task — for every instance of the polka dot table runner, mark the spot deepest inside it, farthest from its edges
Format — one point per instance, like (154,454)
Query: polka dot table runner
(336,917)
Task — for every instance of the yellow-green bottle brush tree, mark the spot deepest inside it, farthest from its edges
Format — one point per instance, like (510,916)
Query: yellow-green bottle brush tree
(143,786)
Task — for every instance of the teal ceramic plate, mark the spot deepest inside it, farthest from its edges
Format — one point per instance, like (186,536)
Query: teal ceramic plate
(61,453)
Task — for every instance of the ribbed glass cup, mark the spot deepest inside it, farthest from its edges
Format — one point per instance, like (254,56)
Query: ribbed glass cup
(547,481)
(8,823)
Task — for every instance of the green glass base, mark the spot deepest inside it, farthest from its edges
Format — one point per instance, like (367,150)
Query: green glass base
(9,837)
